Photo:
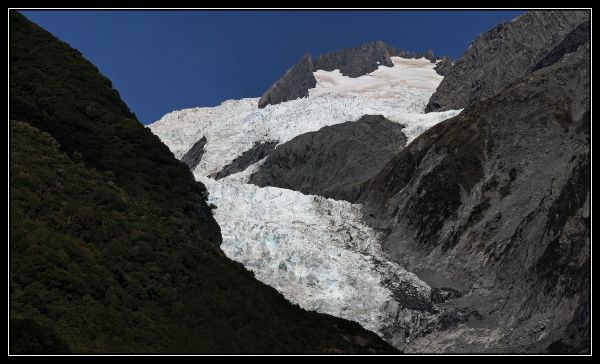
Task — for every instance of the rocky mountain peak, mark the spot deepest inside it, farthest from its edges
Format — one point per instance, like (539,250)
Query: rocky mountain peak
(351,62)
(502,55)
(356,61)
(294,84)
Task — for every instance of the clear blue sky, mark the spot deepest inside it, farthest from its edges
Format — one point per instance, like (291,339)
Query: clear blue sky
(162,61)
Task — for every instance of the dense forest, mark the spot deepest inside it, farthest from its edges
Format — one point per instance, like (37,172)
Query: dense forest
(112,246)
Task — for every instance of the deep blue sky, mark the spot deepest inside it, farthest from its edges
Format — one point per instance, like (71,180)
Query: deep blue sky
(162,61)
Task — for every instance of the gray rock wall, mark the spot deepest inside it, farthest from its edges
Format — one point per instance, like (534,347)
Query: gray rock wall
(193,156)
(496,202)
(503,55)
(249,157)
(293,85)
(334,161)
(356,61)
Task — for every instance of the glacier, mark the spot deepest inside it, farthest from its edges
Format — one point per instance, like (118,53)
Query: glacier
(317,252)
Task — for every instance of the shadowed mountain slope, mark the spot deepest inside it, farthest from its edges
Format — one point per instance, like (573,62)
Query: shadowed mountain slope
(112,246)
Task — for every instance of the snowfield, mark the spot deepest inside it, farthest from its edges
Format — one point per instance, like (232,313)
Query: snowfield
(317,252)
(412,74)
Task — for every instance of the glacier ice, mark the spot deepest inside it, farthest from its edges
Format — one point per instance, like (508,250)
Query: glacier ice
(316,251)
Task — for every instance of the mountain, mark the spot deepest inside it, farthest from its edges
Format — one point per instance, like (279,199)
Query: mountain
(113,248)
(294,84)
(351,62)
(504,54)
(495,202)
(462,230)
(492,207)
(316,251)
(498,200)
(237,127)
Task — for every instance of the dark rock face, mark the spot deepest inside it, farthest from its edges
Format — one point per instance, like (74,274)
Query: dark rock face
(293,85)
(497,201)
(441,295)
(579,36)
(249,157)
(357,61)
(502,56)
(335,160)
(408,297)
(444,66)
(193,156)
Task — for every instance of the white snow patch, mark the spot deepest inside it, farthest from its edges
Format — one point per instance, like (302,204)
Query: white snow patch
(414,74)
(416,124)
